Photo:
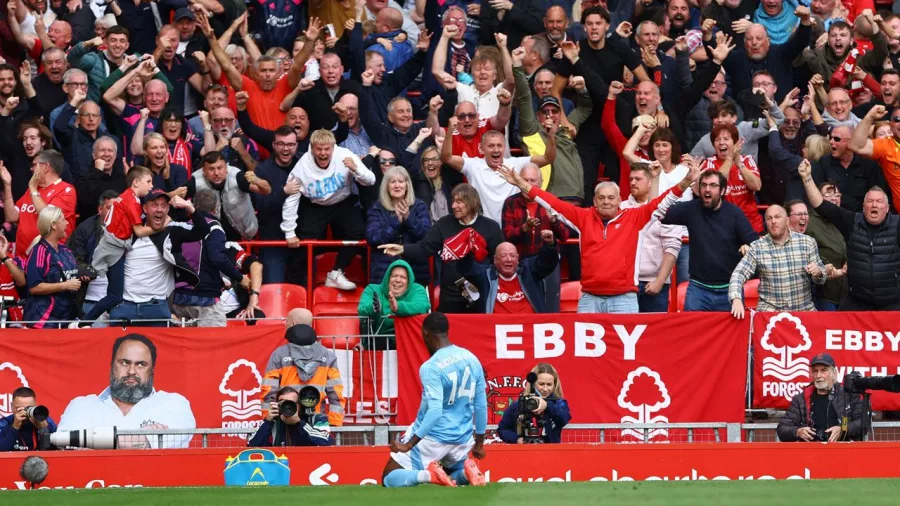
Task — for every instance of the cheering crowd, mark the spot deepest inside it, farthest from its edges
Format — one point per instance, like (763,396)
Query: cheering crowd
(142,141)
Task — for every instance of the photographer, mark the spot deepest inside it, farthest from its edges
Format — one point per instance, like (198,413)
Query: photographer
(279,429)
(552,413)
(823,411)
(26,429)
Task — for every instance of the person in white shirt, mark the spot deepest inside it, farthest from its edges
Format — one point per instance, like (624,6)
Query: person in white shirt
(130,401)
(320,187)
(482,172)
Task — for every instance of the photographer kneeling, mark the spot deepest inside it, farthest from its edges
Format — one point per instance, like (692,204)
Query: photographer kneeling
(29,426)
(289,423)
(824,410)
(544,419)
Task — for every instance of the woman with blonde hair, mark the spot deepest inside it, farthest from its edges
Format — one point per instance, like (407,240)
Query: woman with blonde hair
(52,274)
(397,217)
(552,408)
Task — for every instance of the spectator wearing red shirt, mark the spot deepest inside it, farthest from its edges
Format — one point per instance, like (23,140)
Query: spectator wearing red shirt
(509,286)
(467,136)
(44,188)
(743,178)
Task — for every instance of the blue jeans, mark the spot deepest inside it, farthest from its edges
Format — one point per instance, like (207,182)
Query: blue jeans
(86,308)
(658,303)
(682,265)
(824,305)
(156,309)
(274,262)
(114,290)
(627,303)
(699,298)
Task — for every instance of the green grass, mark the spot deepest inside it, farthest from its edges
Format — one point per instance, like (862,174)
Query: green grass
(754,493)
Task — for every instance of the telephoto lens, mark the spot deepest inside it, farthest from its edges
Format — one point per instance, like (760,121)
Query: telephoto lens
(287,408)
(37,413)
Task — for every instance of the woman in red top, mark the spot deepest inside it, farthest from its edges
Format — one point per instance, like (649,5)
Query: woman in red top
(743,178)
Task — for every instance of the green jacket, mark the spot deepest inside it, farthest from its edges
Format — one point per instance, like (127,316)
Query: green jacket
(832,250)
(567,176)
(414,301)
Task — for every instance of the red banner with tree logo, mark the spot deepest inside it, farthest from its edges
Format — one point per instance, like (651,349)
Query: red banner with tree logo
(642,368)
(218,371)
(784,343)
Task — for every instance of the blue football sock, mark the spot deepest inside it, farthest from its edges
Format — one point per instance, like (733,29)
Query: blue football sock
(458,472)
(405,478)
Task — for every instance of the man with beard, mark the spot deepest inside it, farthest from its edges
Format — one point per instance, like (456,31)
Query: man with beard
(357,140)
(821,407)
(761,54)
(326,176)
(827,60)
(130,401)
(719,230)
(697,122)
(234,187)
(890,92)
(182,72)
(680,19)
(785,261)
(239,151)
(853,173)
(275,171)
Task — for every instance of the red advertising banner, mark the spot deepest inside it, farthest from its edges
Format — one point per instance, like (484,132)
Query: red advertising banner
(642,368)
(784,343)
(512,463)
(218,371)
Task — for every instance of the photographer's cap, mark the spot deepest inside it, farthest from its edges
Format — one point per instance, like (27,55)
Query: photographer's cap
(822,359)
(301,335)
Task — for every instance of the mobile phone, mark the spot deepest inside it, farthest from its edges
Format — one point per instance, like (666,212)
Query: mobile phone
(329,30)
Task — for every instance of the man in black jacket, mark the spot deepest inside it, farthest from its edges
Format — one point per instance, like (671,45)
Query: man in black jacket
(106,174)
(279,429)
(873,246)
(83,242)
(823,411)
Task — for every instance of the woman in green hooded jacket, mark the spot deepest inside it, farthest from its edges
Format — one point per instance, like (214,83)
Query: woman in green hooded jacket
(397,295)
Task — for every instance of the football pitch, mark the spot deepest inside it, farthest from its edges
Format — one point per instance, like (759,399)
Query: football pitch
(755,493)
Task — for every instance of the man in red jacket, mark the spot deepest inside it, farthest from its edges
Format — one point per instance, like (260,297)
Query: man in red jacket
(609,240)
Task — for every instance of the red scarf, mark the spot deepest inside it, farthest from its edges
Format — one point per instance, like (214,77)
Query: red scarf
(181,154)
(463,243)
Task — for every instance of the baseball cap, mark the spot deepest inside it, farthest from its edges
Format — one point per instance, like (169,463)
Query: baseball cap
(155,194)
(184,13)
(301,335)
(823,359)
(549,99)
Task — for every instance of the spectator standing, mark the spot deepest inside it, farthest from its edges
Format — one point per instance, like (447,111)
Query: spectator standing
(740,170)
(785,261)
(275,171)
(106,174)
(84,241)
(832,249)
(883,151)
(52,274)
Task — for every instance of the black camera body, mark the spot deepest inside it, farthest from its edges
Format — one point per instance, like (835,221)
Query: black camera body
(855,383)
(821,435)
(309,398)
(530,424)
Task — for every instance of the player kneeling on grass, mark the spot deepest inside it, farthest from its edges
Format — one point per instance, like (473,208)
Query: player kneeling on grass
(540,414)
(440,439)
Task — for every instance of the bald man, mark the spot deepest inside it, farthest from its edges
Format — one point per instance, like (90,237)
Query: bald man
(838,109)
(785,261)
(298,316)
(509,286)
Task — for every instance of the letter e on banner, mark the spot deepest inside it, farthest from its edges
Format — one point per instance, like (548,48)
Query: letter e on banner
(548,341)
(504,339)
(589,340)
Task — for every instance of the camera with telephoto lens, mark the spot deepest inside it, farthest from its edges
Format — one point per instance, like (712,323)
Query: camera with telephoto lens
(308,400)
(287,408)
(530,424)
(37,413)
(856,384)
(98,438)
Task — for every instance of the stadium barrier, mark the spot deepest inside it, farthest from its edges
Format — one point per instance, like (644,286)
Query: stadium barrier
(326,466)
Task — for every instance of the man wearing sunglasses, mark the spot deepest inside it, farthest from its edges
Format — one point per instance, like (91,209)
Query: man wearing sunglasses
(853,174)
(884,151)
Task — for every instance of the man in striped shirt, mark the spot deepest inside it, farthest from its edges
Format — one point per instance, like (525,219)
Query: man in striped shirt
(785,261)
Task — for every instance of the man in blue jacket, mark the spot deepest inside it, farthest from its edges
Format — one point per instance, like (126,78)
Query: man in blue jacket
(279,429)
(19,431)
(509,286)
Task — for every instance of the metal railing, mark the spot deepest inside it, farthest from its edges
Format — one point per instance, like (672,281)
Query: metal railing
(765,432)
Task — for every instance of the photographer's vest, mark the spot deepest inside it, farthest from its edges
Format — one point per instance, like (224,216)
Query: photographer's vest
(873,262)
(234,203)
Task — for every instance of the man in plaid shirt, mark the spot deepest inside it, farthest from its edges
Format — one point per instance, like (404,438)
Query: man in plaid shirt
(785,261)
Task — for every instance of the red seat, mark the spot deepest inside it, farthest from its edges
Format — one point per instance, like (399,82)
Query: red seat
(336,332)
(235,323)
(682,291)
(278,299)
(564,269)
(569,294)
(324,263)
(326,294)
(435,297)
